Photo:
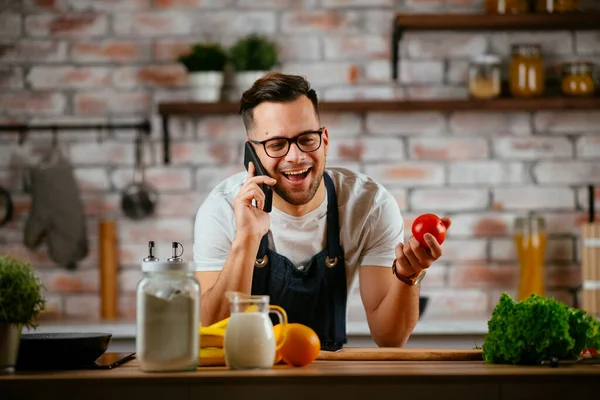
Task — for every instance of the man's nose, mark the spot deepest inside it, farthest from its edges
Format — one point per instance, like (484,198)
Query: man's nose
(295,153)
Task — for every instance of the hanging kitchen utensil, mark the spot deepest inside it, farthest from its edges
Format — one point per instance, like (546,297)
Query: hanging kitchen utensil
(139,199)
(6,206)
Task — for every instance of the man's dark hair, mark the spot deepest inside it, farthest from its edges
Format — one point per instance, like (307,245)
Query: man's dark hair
(278,88)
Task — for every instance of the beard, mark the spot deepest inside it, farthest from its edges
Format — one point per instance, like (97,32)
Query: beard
(301,197)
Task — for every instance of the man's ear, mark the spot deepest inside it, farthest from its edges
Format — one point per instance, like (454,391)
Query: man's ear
(326,140)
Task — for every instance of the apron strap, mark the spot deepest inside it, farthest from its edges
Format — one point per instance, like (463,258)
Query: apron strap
(333,229)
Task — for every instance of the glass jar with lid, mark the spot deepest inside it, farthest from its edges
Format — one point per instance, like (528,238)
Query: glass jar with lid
(578,79)
(507,6)
(526,71)
(556,6)
(168,314)
(485,78)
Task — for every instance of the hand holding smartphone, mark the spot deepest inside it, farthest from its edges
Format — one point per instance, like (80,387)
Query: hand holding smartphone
(251,156)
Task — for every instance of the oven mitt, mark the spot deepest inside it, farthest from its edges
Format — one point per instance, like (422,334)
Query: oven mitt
(56,213)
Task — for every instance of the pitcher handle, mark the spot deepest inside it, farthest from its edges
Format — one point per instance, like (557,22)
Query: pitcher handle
(281,314)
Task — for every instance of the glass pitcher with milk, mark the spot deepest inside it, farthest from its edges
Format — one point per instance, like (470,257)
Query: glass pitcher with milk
(250,341)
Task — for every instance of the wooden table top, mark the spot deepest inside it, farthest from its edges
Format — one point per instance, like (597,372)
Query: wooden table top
(323,369)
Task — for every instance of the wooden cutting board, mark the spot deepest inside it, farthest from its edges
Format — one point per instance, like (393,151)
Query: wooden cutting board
(401,354)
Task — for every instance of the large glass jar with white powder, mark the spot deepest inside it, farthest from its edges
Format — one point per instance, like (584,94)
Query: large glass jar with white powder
(168,316)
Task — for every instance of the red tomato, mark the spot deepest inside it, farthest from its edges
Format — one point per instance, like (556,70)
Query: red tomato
(429,223)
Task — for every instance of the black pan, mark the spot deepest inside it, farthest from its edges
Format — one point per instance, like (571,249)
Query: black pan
(60,350)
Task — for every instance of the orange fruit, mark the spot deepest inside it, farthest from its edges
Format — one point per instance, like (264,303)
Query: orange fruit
(301,346)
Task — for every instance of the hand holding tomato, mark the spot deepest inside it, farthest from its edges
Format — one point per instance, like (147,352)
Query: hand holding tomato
(424,247)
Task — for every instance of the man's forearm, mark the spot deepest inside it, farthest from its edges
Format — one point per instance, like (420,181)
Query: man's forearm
(236,275)
(394,320)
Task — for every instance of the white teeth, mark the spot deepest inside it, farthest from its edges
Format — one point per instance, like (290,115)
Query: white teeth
(296,172)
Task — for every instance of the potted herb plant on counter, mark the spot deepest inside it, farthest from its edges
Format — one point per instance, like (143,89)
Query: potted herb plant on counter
(21,301)
(251,57)
(205,64)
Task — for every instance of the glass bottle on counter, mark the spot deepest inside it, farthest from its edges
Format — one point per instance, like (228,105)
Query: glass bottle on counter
(578,79)
(168,314)
(556,6)
(527,75)
(530,243)
(485,77)
(506,6)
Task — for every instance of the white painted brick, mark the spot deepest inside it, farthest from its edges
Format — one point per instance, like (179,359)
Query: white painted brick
(366,149)
(83,306)
(436,92)
(320,21)
(567,121)
(407,173)
(556,250)
(209,177)
(486,224)
(414,123)
(92,179)
(588,146)
(363,92)
(449,303)
(150,24)
(552,43)
(110,6)
(567,222)
(68,77)
(176,205)
(235,23)
(569,172)
(483,275)
(400,195)
(293,49)
(105,153)
(322,74)
(278,4)
(490,123)
(228,127)
(379,71)
(104,102)
(444,148)
(448,199)
(436,45)
(356,47)
(532,148)
(376,22)
(211,152)
(464,250)
(583,199)
(31,51)
(11,77)
(352,166)
(533,198)
(172,229)
(357,3)
(32,103)
(414,72)
(458,72)
(10,25)
(129,279)
(587,43)
(487,172)
(341,125)
(162,179)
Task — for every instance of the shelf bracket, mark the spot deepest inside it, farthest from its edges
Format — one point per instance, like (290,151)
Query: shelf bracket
(397,32)
(166,139)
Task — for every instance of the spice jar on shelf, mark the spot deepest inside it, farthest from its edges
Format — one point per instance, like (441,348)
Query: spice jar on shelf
(168,314)
(507,6)
(556,6)
(578,79)
(485,77)
(526,71)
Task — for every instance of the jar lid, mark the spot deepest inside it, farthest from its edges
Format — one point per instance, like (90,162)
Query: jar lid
(166,266)
(487,59)
(578,67)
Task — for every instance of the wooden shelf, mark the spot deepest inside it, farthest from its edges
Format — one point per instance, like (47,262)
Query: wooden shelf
(437,22)
(502,104)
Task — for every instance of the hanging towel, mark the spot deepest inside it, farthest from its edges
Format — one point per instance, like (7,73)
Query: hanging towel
(56,213)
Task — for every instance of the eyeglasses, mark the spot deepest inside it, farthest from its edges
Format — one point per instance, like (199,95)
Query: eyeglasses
(307,142)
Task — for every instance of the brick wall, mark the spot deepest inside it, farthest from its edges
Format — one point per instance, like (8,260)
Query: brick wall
(108,60)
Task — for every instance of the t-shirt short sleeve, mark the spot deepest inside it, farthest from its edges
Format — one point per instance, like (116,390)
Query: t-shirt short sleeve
(386,230)
(214,231)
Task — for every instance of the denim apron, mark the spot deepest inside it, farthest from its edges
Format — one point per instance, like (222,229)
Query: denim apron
(315,296)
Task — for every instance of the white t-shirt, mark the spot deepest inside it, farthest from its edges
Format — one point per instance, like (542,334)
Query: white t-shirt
(371,225)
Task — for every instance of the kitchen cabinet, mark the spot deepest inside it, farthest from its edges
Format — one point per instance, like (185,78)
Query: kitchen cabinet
(320,380)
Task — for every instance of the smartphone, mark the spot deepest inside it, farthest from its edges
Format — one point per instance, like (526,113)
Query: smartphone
(111,360)
(250,155)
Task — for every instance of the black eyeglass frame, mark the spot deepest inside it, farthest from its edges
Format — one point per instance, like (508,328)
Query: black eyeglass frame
(290,141)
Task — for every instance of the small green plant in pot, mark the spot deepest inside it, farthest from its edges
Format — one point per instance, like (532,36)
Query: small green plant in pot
(252,57)
(21,301)
(205,64)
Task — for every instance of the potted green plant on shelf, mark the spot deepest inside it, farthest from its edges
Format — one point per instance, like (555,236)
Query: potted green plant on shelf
(252,57)
(205,64)
(21,301)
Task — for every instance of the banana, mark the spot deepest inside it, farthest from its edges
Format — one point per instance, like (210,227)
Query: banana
(211,356)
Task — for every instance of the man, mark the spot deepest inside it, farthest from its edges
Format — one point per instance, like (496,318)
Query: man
(325,226)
